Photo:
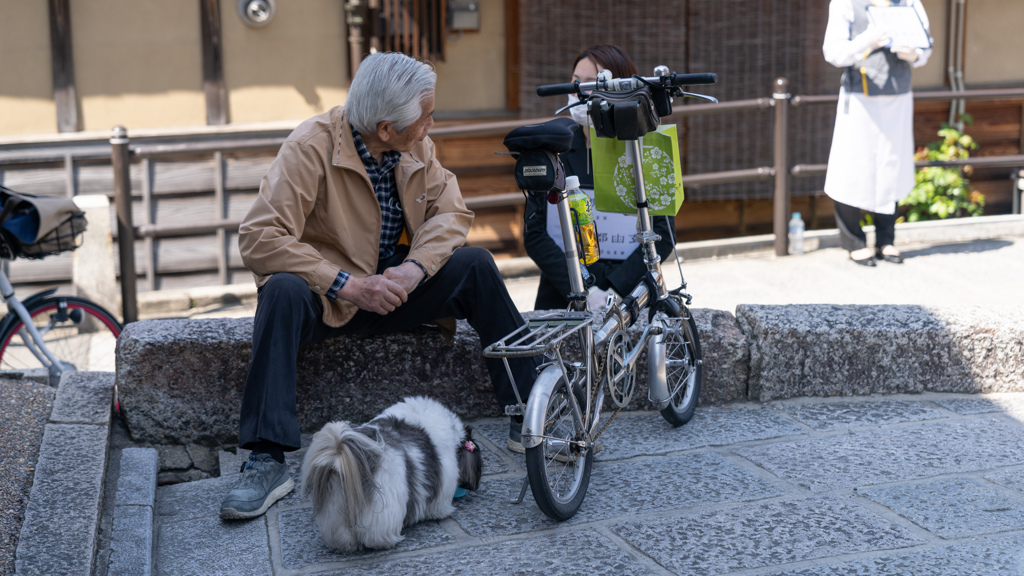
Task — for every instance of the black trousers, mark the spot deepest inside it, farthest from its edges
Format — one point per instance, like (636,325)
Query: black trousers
(851,235)
(288,316)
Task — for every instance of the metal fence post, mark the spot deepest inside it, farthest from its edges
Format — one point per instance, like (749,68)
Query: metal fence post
(1018,190)
(125,230)
(780,211)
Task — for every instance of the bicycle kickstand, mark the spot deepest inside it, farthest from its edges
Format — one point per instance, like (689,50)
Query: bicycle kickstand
(522,491)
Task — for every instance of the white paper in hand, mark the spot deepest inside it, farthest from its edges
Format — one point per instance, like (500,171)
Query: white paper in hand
(902,24)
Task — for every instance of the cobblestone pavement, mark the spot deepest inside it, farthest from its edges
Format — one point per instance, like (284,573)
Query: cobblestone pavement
(927,484)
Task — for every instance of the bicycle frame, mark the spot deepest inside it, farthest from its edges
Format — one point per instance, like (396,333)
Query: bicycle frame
(620,316)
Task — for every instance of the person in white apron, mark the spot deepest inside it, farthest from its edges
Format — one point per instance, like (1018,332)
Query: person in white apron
(871,163)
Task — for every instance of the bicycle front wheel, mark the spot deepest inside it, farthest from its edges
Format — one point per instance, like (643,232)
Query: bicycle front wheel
(682,368)
(81,334)
(559,467)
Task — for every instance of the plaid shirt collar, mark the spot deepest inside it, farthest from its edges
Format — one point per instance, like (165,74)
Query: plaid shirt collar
(389,160)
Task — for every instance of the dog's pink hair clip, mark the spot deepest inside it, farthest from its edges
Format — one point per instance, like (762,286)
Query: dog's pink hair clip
(469,445)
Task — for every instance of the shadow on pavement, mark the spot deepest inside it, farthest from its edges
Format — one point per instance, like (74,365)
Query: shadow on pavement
(966,247)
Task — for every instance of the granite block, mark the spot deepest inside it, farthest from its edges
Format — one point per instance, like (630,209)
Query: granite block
(136,481)
(864,458)
(834,350)
(212,547)
(973,557)
(647,433)
(84,398)
(181,380)
(566,553)
(757,536)
(301,545)
(725,354)
(651,486)
(1012,478)
(173,457)
(826,416)
(202,457)
(953,507)
(982,404)
(639,434)
(64,503)
(131,544)
(193,500)
(230,462)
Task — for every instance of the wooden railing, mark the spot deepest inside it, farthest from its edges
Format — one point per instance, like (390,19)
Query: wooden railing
(231,170)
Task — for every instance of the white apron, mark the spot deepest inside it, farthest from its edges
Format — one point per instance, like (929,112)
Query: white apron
(871,164)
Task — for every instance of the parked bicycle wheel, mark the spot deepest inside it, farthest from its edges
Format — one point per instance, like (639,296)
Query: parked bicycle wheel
(559,467)
(682,368)
(81,334)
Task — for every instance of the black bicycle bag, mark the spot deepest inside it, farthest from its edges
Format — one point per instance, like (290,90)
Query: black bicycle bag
(623,115)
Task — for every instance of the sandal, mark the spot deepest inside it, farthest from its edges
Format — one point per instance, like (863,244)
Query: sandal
(890,254)
(864,257)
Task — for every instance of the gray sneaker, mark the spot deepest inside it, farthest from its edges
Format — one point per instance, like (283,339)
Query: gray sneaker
(515,436)
(263,482)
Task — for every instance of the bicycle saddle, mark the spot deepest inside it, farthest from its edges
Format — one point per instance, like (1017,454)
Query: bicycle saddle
(553,136)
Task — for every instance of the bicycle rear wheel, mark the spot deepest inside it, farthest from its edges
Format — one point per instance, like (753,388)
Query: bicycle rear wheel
(559,467)
(682,368)
(81,334)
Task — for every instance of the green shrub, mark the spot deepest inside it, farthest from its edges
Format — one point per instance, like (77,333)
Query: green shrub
(941,191)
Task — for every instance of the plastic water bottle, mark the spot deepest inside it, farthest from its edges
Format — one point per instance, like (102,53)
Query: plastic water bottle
(584,224)
(796,234)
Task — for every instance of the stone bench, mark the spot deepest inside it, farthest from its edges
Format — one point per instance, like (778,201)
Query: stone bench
(180,381)
(833,350)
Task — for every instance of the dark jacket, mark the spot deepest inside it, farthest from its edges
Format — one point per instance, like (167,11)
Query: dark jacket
(622,275)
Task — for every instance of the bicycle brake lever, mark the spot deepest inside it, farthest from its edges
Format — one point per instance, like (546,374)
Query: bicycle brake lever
(567,106)
(701,96)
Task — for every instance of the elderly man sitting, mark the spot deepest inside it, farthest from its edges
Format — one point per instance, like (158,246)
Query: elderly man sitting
(323,240)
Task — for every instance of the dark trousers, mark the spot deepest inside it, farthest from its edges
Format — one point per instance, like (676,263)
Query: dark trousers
(289,316)
(851,235)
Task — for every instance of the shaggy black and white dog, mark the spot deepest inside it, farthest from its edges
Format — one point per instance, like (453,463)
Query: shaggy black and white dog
(402,467)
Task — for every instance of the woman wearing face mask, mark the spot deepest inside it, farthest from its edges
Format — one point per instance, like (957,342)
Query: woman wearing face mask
(621,265)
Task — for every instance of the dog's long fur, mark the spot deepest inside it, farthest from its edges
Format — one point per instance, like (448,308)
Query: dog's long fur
(369,482)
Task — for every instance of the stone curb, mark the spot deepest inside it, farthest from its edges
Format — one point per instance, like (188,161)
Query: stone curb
(132,535)
(852,350)
(762,353)
(59,533)
(196,401)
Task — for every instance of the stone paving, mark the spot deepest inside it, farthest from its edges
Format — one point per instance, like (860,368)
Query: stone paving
(929,484)
(896,485)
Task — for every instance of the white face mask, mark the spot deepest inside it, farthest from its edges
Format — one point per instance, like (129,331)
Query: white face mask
(579,113)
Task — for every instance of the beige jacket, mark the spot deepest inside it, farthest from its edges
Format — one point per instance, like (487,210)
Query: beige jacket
(316,212)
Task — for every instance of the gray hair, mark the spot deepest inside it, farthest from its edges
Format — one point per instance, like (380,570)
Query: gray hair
(388,86)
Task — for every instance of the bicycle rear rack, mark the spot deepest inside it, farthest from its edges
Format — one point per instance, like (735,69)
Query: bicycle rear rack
(540,335)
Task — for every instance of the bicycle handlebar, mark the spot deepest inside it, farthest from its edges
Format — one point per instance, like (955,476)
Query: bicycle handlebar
(556,89)
(622,84)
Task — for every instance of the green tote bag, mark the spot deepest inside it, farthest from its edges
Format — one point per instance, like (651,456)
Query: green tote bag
(663,173)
